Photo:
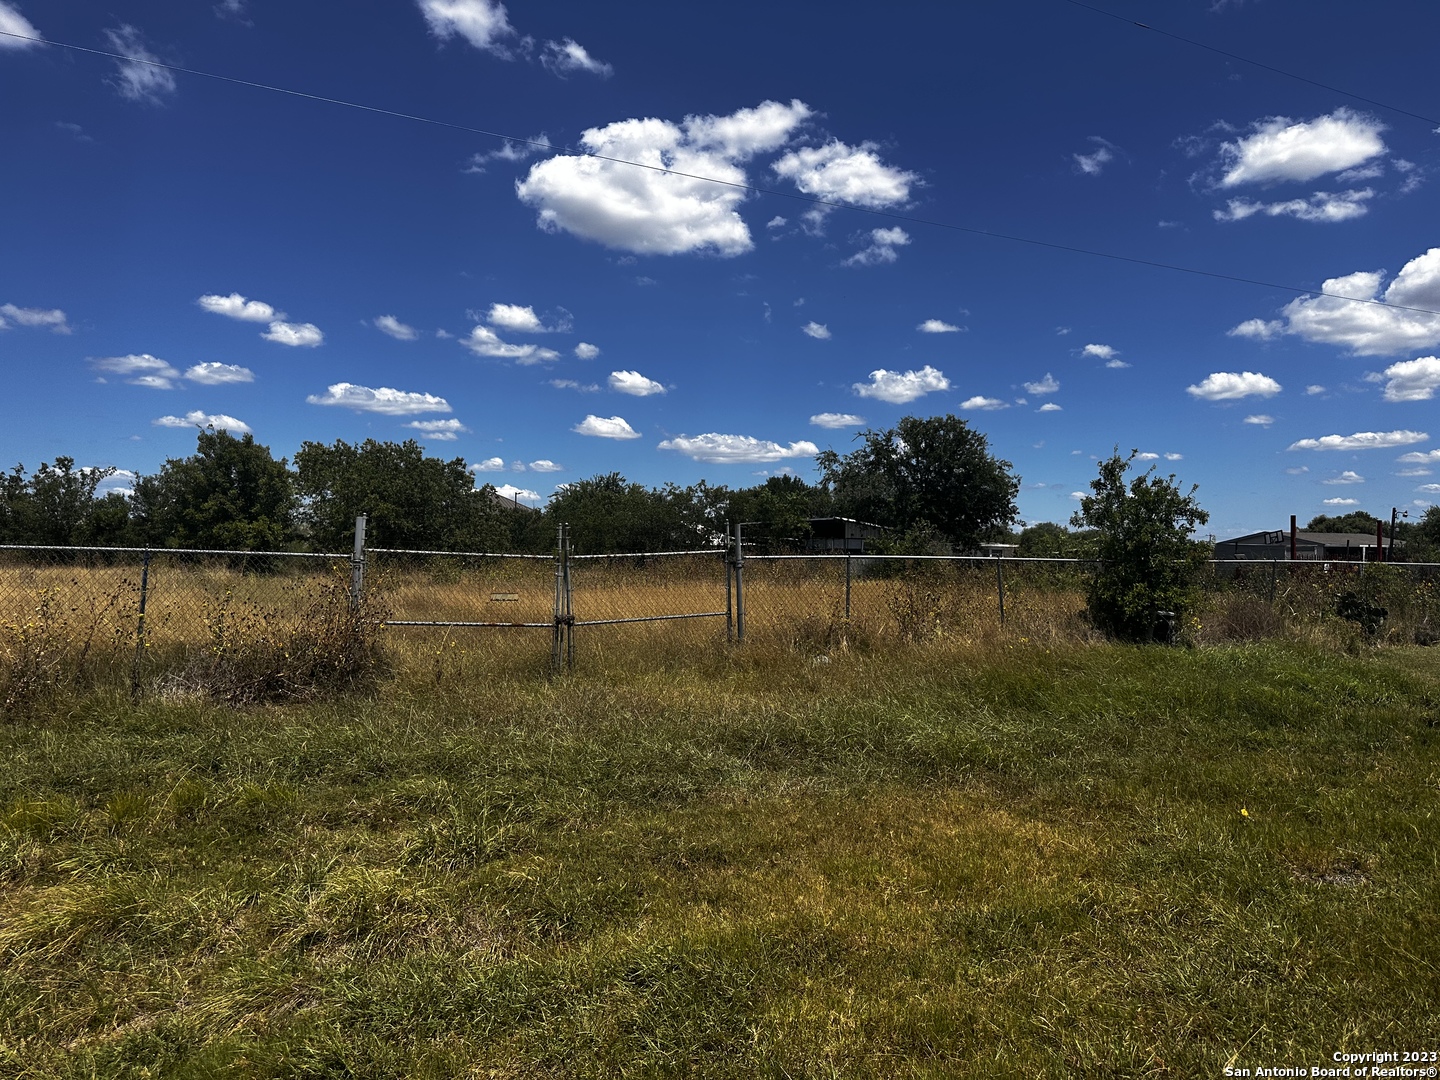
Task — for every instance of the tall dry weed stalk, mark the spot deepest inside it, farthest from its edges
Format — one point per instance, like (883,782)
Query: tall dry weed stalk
(60,642)
(323,644)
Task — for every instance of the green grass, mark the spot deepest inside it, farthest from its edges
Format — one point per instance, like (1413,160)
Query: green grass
(944,861)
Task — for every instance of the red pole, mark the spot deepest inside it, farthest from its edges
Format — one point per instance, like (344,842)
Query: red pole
(1292,537)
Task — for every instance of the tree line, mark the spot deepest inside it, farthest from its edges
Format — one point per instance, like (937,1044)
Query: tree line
(931,482)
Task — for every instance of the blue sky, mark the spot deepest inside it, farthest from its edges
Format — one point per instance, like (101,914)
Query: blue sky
(179,248)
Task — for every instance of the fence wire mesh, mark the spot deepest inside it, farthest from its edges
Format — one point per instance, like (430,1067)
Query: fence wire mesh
(154,619)
(89,615)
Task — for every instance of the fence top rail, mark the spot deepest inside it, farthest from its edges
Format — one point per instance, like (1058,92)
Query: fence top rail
(650,554)
(986,559)
(174,551)
(456,554)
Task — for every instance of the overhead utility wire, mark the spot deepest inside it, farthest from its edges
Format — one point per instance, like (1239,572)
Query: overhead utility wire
(755,188)
(1252,63)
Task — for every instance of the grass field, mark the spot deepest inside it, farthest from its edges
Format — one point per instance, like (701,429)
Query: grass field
(971,856)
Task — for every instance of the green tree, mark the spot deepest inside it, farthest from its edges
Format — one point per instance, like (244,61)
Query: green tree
(1357,521)
(776,513)
(411,500)
(1422,538)
(1047,540)
(230,494)
(933,474)
(55,505)
(1148,563)
(608,514)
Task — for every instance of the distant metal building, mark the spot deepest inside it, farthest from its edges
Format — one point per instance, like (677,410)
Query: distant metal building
(841,535)
(1309,547)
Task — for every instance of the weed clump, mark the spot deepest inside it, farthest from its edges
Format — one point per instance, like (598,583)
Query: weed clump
(55,646)
(327,644)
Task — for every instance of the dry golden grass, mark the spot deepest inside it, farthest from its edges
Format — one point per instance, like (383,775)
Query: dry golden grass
(67,626)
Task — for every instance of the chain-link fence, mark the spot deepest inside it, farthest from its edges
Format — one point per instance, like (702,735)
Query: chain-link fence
(90,615)
(166,620)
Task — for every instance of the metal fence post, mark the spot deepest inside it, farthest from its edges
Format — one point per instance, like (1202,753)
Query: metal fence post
(1000,586)
(357,564)
(740,581)
(729,595)
(140,624)
(847,586)
(569,608)
(562,646)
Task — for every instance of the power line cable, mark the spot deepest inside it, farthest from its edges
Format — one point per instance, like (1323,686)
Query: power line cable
(814,200)
(1252,63)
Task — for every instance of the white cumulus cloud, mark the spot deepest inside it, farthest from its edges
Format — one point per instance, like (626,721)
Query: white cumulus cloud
(439,430)
(299,335)
(835,420)
(1341,502)
(216,374)
(1049,406)
(883,243)
(12,22)
(395,328)
(1281,149)
(516,317)
(236,306)
(141,369)
(1233,385)
(545,465)
(493,464)
(719,449)
(816,330)
(569,57)
(983,404)
(1100,352)
(840,173)
(654,211)
(1324,206)
(1367,329)
(899,388)
(1260,420)
(199,419)
(1349,476)
(53,318)
(379,400)
(606,427)
(937,326)
(1412,380)
(1047,385)
(586,351)
(1419,457)
(483,23)
(485,342)
(1362,440)
(632,382)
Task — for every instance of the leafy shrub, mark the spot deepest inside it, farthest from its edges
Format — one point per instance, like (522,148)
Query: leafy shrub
(1147,561)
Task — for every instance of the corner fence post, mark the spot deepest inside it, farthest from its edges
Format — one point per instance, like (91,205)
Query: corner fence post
(140,624)
(357,564)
